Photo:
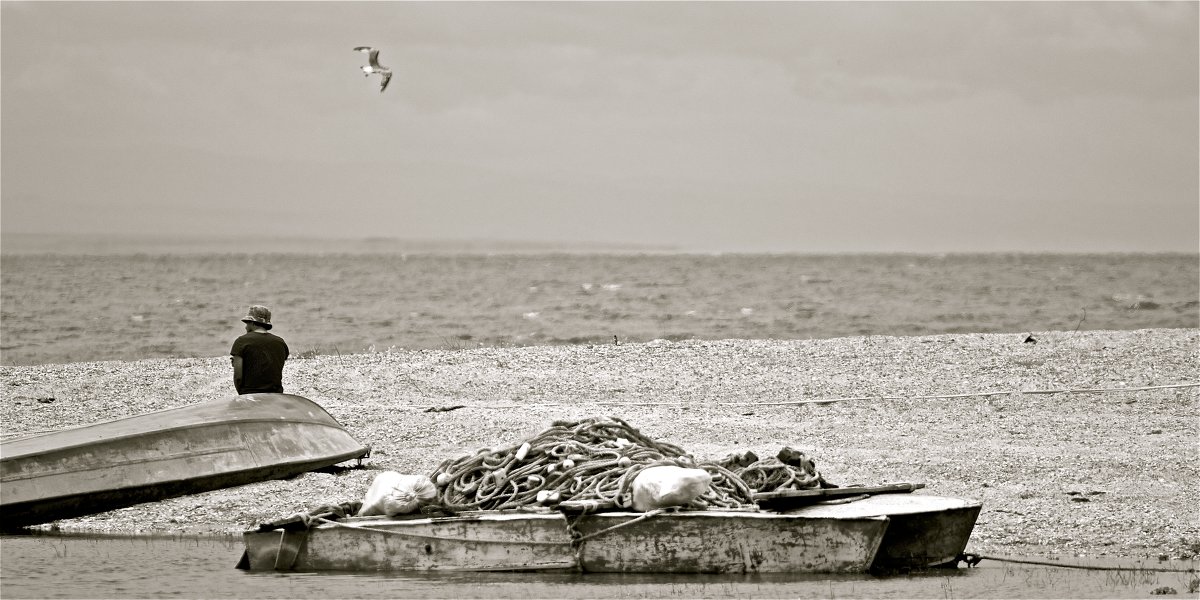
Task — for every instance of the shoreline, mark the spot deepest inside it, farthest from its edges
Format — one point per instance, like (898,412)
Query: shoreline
(1028,457)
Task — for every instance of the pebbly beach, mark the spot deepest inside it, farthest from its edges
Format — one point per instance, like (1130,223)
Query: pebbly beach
(1078,443)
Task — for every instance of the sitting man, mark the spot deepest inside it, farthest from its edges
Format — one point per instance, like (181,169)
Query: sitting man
(258,355)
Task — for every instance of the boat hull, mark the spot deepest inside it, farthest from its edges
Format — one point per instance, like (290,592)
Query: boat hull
(682,542)
(168,453)
(924,532)
(730,542)
(876,533)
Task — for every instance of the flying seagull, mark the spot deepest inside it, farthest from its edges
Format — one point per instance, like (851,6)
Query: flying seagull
(375,67)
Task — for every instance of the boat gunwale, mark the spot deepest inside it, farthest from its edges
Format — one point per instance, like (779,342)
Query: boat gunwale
(547,512)
(367,523)
(945,503)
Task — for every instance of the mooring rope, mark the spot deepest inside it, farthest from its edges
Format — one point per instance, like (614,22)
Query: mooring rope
(578,538)
(972,559)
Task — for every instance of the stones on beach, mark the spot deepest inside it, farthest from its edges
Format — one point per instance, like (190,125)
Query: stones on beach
(696,391)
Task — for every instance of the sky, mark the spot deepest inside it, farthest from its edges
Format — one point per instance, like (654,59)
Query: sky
(709,127)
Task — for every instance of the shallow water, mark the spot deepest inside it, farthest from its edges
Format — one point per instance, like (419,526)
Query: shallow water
(139,567)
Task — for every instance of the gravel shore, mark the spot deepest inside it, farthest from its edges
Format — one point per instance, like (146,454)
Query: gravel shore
(1113,473)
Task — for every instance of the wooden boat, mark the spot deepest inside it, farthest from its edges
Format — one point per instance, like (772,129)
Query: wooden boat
(847,537)
(709,541)
(923,531)
(167,453)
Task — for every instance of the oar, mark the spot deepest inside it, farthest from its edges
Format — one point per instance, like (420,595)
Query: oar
(789,498)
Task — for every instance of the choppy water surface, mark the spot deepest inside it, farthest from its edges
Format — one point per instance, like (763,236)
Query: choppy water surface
(72,308)
(128,567)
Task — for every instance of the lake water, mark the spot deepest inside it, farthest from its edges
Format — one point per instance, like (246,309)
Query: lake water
(73,308)
(139,567)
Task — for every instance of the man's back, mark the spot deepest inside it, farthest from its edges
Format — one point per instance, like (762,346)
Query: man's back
(263,355)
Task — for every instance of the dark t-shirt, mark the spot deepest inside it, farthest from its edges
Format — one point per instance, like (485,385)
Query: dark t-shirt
(262,355)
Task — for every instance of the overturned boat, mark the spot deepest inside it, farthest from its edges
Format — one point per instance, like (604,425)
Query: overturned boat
(167,453)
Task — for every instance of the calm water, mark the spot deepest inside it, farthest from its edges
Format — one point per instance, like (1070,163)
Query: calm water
(69,308)
(83,567)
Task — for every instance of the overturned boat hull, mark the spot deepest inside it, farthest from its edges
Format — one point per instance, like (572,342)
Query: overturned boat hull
(167,453)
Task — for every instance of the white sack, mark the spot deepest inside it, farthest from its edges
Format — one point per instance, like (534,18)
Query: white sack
(660,487)
(394,493)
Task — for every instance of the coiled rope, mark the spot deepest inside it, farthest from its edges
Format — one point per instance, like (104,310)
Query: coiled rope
(593,459)
(772,475)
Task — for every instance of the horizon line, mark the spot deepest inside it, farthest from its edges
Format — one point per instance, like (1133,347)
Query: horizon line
(107,244)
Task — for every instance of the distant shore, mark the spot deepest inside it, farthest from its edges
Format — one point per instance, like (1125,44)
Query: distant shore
(1100,473)
(110,245)
(14,244)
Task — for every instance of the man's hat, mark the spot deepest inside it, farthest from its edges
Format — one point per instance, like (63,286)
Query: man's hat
(260,315)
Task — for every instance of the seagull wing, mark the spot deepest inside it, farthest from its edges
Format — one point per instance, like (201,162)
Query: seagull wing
(387,76)
(362,49)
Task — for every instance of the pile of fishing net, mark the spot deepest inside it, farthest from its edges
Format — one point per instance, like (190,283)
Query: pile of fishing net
(788,470)
(597,460)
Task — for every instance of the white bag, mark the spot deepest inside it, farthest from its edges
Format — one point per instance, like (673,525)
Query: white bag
(393,493)
(660,487)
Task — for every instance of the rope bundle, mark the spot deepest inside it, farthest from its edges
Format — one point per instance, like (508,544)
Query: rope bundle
(773,475)
(790,469)
(593,459)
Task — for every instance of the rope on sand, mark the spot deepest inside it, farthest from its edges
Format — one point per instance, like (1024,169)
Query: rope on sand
(972,559)
(971,395)
(491,405)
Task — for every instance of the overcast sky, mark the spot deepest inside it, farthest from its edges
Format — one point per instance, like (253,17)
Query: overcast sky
(778,126)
